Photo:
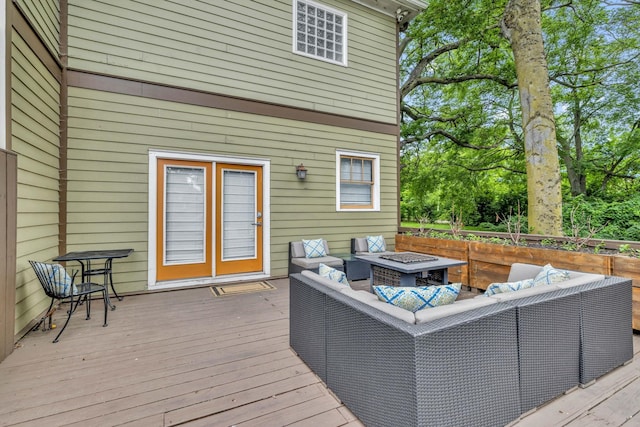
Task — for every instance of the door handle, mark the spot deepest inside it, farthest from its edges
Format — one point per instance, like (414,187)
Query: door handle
(256,223)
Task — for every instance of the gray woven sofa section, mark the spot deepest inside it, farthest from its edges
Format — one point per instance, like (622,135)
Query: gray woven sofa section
(453,371)
(307,323)
(485,366)
(606,334)
(548,345)
(605,319)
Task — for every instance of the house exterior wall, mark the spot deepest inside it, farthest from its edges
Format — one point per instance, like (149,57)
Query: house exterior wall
(241,48)
(44,15)
(35,118)
(271,104)
(110,136)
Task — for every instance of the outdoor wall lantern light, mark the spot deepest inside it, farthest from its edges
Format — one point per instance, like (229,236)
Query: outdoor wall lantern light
(301,171)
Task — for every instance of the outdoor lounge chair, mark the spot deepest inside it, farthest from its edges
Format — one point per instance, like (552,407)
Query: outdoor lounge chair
(360,246)
(299,261)
(58,285)
(359,270)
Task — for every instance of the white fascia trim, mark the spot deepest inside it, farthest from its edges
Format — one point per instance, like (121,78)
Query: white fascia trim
(3,73)
(390,7)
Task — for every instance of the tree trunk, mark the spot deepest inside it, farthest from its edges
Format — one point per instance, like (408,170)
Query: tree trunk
(521,26)
(579,182)
(572,154)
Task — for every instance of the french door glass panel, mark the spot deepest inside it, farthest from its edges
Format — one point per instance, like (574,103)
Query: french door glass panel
(185,212)
(238,215)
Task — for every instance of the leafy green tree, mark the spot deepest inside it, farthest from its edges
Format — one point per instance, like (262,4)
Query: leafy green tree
(595,53)
(460,109)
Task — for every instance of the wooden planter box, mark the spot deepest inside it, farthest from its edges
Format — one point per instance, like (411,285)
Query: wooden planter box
(489,263)
(625,266)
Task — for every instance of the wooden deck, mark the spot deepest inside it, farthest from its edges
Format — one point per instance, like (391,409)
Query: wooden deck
(190,358)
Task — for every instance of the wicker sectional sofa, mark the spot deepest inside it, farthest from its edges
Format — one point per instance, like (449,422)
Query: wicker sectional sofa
(476,362)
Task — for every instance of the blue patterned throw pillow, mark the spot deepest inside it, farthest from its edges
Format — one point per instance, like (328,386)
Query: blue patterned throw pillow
(417,298)
(501,288)
(61,280)
(549,275)
(376,244)
(333,274)
(314,248)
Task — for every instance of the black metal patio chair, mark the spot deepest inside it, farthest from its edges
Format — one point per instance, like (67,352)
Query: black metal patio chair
(58,285)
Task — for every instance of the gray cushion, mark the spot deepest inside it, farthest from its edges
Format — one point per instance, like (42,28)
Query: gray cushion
(576,278)
(314,263)
(336,286)
(520,271)
(361,244)
(432,313)
(360,295)
(297,249)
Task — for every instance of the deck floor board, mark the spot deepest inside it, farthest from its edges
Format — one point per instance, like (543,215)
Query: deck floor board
(190,358)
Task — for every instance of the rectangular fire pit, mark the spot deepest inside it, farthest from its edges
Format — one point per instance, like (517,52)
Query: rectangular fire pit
(408,269)
(408,257)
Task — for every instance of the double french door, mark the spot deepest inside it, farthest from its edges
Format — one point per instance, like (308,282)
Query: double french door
(209,219)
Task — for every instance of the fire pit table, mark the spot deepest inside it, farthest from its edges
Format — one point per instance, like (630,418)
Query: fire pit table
(408,269)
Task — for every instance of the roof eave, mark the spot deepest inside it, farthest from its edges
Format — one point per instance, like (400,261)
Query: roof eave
(401,10)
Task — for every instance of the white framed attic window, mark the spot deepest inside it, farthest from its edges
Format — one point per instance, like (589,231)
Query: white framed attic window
(319,32)
(357,181)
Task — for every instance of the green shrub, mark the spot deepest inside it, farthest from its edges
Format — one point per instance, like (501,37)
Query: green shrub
(487,226)
(617,220)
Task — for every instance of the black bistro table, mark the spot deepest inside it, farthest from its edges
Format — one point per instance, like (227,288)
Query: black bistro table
(85,258)
(409,269)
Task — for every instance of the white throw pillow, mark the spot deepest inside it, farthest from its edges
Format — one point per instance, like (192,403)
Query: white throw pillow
(333,274)
(549,275)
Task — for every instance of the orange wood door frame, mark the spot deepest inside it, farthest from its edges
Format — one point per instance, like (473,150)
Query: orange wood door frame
(250,263)
(178,271)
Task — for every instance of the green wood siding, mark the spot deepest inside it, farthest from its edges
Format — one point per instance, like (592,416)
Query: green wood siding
(44,15)
(240,48)
(35,138)
(110,136)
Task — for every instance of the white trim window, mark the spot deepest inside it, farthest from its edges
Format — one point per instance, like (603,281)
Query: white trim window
(358,181)
(319,32)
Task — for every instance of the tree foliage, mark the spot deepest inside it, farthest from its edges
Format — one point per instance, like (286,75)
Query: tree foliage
(462,139)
